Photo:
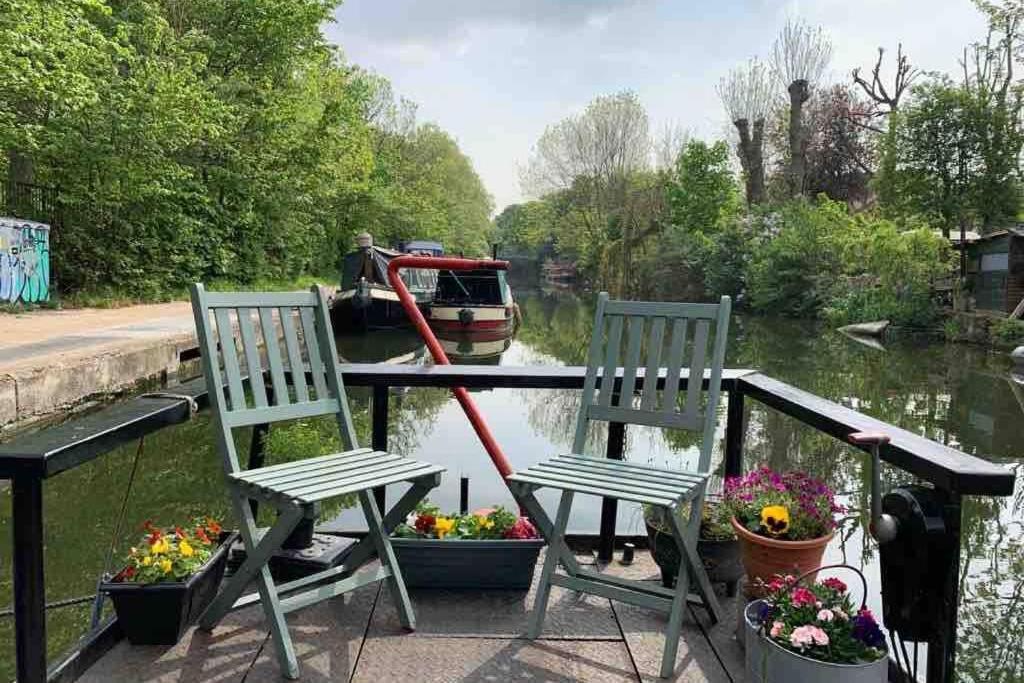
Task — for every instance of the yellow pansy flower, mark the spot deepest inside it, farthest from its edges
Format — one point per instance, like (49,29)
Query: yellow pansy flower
(186,549)
(487,523)
(166,566)
(161,546)
(146,561)
(443,526)
(775,519)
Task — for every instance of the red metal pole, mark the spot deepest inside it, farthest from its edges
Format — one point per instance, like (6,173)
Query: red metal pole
(440,358)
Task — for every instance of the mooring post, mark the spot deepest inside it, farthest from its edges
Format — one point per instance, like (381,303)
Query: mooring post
(609,506)
(29,587)
(735,431)
(379,436)
(942,650)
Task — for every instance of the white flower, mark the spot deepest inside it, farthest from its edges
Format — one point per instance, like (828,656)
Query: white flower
(825,615)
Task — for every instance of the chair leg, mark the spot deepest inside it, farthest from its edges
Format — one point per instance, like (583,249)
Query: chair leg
(675,616)
(550,564)
(387,557)
(688,543)
(258,553)
(257,557)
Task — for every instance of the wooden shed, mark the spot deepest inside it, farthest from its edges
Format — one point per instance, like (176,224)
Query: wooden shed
(995,269)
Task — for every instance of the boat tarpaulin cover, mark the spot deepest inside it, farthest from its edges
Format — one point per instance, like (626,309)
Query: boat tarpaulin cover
(371,263)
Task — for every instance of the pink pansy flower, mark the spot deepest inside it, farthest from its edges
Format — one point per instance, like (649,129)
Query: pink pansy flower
(803,597)
(826,615)
(777,629)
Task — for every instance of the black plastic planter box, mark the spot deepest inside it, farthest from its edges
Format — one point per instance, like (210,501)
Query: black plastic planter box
(433,563)
(158,613)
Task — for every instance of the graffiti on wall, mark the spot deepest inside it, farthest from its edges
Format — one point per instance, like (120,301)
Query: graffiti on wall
(24,261)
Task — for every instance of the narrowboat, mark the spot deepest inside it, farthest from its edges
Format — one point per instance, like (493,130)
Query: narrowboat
(366,300)
(477,303)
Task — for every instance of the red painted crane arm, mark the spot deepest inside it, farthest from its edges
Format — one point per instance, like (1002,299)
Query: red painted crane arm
(476,418)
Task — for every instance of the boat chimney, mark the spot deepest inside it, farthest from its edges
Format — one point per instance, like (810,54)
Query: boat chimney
(364,240)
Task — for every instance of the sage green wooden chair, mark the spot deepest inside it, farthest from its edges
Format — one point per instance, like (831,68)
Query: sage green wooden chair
(690,328)
(225,323)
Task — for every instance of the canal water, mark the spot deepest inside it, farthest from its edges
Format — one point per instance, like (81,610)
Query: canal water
(958,395)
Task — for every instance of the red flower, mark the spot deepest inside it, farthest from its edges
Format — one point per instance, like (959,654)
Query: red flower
(125,574)
(178,532)
(835,584)
(213,526)
(522,529)
(803,597)
(424,523)
(154,535)
(201,535)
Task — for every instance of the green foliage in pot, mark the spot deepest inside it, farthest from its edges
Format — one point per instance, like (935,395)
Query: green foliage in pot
(714,523)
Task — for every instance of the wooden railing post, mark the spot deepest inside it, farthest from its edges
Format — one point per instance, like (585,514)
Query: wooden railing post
(379,438)
(735,431)
(942,650)
(29,586)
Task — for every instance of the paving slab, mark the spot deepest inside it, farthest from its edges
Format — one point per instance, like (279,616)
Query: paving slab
(222,656)
(499,614)
(327,638)
(706,652)
(466,660)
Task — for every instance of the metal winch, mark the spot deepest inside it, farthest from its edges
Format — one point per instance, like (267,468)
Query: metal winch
(915,527)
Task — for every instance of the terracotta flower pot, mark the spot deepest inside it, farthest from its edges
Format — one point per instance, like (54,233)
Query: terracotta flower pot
(765,557)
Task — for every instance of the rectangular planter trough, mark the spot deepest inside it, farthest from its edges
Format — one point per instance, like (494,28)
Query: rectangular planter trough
(159,613)
(498,564)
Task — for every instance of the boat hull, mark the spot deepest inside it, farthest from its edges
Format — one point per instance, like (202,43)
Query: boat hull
(368,308)
(480,323)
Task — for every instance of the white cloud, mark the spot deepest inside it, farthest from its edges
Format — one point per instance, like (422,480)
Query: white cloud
(494,73)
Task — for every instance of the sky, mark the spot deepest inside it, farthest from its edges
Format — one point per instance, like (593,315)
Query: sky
(495,73)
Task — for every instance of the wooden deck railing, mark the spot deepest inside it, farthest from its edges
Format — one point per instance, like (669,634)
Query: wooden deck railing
(31,459)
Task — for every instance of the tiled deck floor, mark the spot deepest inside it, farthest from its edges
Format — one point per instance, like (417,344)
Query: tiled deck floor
(460,636)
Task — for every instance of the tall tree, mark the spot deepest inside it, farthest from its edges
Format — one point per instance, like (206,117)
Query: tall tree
(800,56)
(746,95)
(591,159)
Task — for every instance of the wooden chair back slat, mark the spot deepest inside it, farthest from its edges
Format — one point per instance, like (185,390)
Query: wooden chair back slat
(611,360)
(698,351)
(291,343)
(691,328)
(274,360)
(254,367)
(229,354)
(632,362)
(316,363)
(677,346)
(649,399)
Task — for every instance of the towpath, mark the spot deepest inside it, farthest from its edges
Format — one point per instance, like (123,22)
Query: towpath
(51,359)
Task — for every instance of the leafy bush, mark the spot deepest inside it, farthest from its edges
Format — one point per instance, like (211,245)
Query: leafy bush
(793,269)
(1007,332)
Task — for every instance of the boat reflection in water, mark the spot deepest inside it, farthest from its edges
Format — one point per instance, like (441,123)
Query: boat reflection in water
(469,349)
(394,346)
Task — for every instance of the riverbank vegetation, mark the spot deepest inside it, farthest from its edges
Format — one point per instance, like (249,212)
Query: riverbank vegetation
(830,200)
(216,139)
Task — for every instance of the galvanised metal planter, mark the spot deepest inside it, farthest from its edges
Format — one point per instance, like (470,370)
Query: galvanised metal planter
(768,662)
(464,563)
(159,613)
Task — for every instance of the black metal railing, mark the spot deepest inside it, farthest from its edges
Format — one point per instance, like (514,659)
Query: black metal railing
(31,202)
(30,460)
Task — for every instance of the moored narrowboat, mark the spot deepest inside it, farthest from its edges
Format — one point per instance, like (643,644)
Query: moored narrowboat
(366,300)
(477,302)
